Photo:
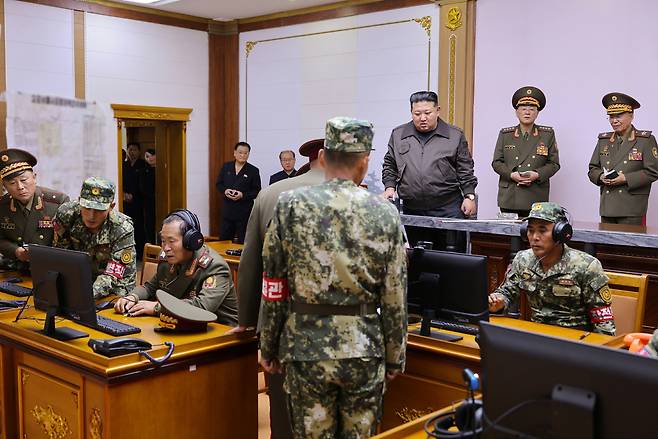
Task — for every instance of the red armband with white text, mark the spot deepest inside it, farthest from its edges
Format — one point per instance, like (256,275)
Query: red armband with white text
(115,269)
(275,288)
(600,314)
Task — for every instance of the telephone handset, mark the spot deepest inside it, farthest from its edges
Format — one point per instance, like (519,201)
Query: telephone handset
(113,347)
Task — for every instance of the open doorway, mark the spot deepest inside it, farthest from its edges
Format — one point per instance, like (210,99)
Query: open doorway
(152,166)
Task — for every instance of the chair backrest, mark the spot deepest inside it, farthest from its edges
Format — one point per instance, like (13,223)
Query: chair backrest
(629,293)
(149,262)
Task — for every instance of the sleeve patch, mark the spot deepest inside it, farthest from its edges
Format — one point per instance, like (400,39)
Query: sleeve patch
(605,294)
(601,314)
(210,282)
(275,288)
(126,256)
(115,269)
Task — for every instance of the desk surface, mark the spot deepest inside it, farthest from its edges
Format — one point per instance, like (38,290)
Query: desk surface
(221,247)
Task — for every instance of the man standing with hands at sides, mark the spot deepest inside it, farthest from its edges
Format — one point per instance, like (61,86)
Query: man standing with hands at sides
(26,210)
(322,293)
(526,156)
(239,183)
(631,158)
(564,286)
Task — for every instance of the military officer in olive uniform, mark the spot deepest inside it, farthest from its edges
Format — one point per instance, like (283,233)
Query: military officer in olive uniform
(633,154)
(26,210)
(91,225)
(564,286)
(188,270)
(526,155)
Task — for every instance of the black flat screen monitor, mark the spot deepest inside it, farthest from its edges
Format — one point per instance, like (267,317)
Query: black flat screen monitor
(555,388)
(62,286)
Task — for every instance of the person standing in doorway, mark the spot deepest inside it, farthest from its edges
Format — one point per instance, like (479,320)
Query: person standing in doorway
(133,205)
(147,189)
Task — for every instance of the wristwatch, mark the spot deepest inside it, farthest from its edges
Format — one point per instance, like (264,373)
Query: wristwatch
(470,197)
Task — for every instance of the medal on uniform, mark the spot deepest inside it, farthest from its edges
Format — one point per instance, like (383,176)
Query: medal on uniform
(542,149)
(635,155)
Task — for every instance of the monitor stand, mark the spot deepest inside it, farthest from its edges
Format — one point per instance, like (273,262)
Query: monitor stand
(426,328)
(49,288)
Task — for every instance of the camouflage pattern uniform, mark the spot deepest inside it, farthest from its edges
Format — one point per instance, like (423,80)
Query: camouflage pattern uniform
(204,281)
(573,293)
(112,248)
(333,254)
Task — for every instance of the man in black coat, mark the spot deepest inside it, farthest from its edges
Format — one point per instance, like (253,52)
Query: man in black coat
(287,159)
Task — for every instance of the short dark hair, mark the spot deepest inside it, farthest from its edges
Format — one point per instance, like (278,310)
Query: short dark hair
(239,144)
(175,218)
(344,160)
(136,144)
(285,151)
(151,151)
(423,96)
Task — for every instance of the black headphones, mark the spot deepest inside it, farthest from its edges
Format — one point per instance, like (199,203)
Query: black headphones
(562,230)
(192,238)
(467,417)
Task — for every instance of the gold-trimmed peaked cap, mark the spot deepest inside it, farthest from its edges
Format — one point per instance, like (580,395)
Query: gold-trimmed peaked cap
(178,315)
(14,161)
(97,193)
(529,95)
(617,103)
(346,134)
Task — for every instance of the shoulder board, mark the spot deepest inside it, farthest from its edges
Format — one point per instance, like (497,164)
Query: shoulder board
(605,135)
(642,133)
(51,196)
(204,260)
(5,199)
(508,129)
(544,128)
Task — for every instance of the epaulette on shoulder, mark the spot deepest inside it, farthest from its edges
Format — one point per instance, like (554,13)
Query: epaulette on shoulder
(544,128)
(51,196)
(204,260)
(508,130)
(642,133)
(605,135)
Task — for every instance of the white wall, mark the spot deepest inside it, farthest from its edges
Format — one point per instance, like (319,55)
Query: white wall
(290,87)
(139,63)
(575,51)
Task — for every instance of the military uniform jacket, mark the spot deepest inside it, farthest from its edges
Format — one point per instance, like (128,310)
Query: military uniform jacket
(637,158)
(334,244)
(573,292)
(515,153)
(250,270)
(204,281)
(18,226)
(112,248)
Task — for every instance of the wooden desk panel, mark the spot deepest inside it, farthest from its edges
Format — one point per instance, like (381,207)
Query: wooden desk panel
(233,261)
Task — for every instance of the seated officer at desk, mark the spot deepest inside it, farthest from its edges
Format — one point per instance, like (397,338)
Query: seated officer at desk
(188,270)
(91,225)
(564,287)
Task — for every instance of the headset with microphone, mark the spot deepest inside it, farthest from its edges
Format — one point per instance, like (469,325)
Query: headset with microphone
(192,237)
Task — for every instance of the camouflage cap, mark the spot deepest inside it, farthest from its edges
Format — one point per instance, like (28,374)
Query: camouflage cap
(348,135)
(551,212)
(97,193)
(178,315)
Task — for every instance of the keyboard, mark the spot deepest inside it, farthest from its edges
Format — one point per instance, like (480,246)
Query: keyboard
(114,327)
(15,290)
(456,327)
(11,304)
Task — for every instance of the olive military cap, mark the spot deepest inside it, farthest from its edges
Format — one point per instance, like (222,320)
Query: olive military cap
(14,162)
(345,134)
(617,103)
(97,193)
(551,212)
(178,315)
(529,95)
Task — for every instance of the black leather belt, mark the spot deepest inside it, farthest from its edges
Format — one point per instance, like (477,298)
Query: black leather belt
(334,310)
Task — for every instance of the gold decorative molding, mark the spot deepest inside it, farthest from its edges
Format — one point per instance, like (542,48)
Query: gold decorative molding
(426,23)
(75,399)
(249,46)
(24,377)
(452,62)
(407,415)
(454,18)
(96,424)
(53,425)
(123,111)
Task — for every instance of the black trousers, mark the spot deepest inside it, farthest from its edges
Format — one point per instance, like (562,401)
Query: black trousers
(233,229)
(442,239)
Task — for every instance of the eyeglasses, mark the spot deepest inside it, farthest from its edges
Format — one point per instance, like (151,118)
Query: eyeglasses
(287,160)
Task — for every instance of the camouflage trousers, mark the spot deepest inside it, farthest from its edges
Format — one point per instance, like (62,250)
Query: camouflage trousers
(335,398)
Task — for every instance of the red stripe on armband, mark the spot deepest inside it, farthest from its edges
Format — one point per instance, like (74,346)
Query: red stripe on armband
(275,288)
(115,269)
(601,314)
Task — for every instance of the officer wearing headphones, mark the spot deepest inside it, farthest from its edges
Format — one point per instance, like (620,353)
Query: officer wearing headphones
(188,270)
(564,286)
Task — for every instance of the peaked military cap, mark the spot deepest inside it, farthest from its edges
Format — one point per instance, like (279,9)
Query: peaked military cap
(551,212)
(97,193)
(346,134)
(311,148)
(178,315)
(617,103)
(529,95)
(14,162)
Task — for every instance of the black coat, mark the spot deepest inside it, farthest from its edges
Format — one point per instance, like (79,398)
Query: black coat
(281,175)
(246,181)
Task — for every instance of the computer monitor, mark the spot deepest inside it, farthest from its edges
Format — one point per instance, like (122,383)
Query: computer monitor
(548,387)
(62,286)
(452,286)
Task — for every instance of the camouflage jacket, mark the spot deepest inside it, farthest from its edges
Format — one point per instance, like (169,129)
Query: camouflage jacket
(573,292)
(205,281)
(112,248)
(334,244)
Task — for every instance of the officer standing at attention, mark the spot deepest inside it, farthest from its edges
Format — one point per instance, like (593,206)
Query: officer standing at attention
(26,210)
(322,293)
(91,225)
(188,270)
(564,286)
(633,154)
(526,156)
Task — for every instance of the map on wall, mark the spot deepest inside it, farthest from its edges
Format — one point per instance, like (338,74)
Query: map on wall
(67,136)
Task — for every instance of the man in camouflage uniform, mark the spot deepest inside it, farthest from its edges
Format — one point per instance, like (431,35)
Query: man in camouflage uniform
(651,348)
(26,210)
(564,287)
(199,276)
(526,155)
(333,256)
(91,225)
